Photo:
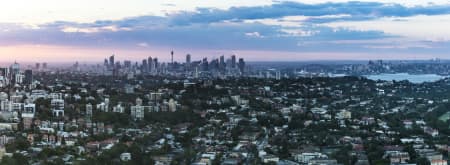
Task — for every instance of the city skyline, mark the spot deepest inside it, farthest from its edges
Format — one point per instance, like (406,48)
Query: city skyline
(234,82)
(300,30)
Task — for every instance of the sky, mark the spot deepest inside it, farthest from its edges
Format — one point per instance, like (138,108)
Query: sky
(258,30)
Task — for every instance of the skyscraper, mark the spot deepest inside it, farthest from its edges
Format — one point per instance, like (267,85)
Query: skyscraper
(205,64)
(106,63)
(111,61)
(214,64)
(188,62)
(278,75)
(144,66)
(228,64)
(15,71)
(241,65)
(233,61)
(4,72)
(116,68)
(38,65)
(155,63)
(171,53)
(28,76)
(15,68)
(127,64)
(188,59)
(222,62)
(150,64)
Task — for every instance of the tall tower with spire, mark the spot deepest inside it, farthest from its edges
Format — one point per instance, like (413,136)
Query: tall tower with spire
(171,53)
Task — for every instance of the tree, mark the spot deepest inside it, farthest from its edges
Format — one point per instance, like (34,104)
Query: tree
(16,159)
(19,144)
(423,161)
(412,153)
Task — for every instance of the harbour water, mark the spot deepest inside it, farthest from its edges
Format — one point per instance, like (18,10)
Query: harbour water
(414,78)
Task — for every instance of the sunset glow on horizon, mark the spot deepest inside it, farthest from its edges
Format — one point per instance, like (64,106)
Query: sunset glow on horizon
(63,31)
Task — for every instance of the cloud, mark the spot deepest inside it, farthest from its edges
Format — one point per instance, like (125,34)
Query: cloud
(69,29)
(254,34)
(143,44)
(421,27)
(283,26)
(357,10)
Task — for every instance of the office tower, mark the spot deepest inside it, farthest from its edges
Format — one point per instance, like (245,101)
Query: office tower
(241,65)
(222,62)
(38,65)
(44,65)
(155,63)
(116,68)
(188,59)
(111,61)
(18,78)
(150,64)
(171,53)
(118,65)
(28,76)
(144,66)
(196,72)
(233,61)
(76,65)
(111,65)
(4,74)
(204,64)
(214,64)
(188,62)
(228,64)
(15,68)
(127,64)
(106,63)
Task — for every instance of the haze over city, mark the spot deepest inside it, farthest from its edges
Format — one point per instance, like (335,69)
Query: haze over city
(258,30)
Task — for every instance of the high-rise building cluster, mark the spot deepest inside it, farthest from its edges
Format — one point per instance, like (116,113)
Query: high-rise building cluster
(218,64)
(13,75)
(151,66)
(40,66)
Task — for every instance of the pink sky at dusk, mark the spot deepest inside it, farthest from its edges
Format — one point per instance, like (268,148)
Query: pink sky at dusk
(257,30)
(61,54)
